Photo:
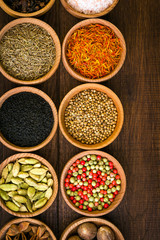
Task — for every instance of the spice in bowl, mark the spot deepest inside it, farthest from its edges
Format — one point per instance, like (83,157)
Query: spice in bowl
(26,185)
(92,183)
(26,6)
(26,119)
(94,51)
(26,230)
(27,52)
(90,117)
(90,6)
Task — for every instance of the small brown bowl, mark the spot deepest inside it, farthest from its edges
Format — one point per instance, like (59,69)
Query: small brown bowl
(19,220)
(116,201)
(55,40)
(83,23)
(16,14)
(55,184)
(72,228)
(54,110)
(81,15)
(110,94)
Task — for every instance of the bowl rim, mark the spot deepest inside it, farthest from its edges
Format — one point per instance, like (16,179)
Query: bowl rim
(42,94)
(13,158)
(31,220)
(115,203)
(70,95)
(79,221)
(81,15)
(56,41)
(83,23)
(13,13)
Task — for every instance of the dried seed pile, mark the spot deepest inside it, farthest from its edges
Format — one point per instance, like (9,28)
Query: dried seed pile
(26,6)
(27,52)
(90,116)
(26,185)
(26,231)
(26,119)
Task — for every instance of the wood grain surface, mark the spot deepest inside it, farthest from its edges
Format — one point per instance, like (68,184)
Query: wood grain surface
(138,145)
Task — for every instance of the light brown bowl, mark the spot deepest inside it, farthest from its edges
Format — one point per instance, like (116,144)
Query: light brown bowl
(57,46)
(72,228)
(16,14)
(110,94)
(83,23)
(117,199)
(19,220)
(55,184)
(82,15)
(54,111)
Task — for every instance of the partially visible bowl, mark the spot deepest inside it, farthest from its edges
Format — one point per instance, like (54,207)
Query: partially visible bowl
(54,111)
(77,14)
(110,94)
(13,158)
(83,23)
(56,41)
(72,228)
(118,197)
(20,220)
(16,14)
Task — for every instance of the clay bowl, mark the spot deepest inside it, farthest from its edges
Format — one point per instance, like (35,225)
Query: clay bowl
(72,228)
(110,94)
(82,15)
(19,220)
(16,14)
(117,199)
(55,184)
(54,110)
(83,23)
(57,47)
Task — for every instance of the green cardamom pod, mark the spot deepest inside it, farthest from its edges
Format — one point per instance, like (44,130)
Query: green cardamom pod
(31,192)
(44,180)
(29,206)
(35,177)
(16,180)
(20,199)
(48,175)
(31,161)
(41,186)
(38,171)
(4,195)
(8,187)
(17,203)
(10,166)
(12,193)
(5,172)
(22,192)
(37,165)
(50,182)
(41,177)
(48,193)
(40,203)
(15,169)
(10,175)
(2,180)
(23,175)
(38,196)
(31,182)
(12,206)
(23,208)
(24,185)
(26,168)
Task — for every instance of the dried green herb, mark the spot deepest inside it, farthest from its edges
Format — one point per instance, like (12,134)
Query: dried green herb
(27,51)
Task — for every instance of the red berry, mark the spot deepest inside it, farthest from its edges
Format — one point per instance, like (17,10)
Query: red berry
(97,184)
(89,181)
(83,175)
(89,186)
(104,179)
(74,201)
(101,191)
(90,173)
(74,189)
(83,162)
(95,176)
(116,192)
(89,191)
(114,195)
(78,161)
(85,197)
(110,164)
(84,169)
(80,206)
(115,171)
(105,175)
(111,167)
(106,205)
(80,193)
(112,175)
(81,201)
(117,177)
(90,209)
(104,192)
(74,164)
(111,200)
(99,172)
(72,198)
(110,185)
(113,182)
(66,184)
(69,171)
(70,185)
(102,199)
(78,186)
(88,159)
(96,204)
(82,187)
(98,180)
(67,180)
(79,177)
(98,157)
(102,183)
(68,176)
(85,188)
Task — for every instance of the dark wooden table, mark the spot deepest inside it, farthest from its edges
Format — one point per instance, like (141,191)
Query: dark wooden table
(137,147)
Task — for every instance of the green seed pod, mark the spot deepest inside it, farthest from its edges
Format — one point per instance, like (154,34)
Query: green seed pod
(48,193)
(9,177)
(48,175)
(5,172)
(26,168)
(38,171)
(12,206)
(46,168)
(35,177)
(22,161)
(40,203)
(12,193)
(38,196)
(2,180)
(44,180)
(100,207)
(93,157)
(23,175)
(22,192)
(31,161)
(41,186)
(20,199)
(37,165)
(16,169)
(91,204)
(50,182)
(24,185)
(10,166)
(31,182)
(29,206)
(16,180)
(41,177)
(4,195)
(31,192)
(8,187)
(17,203)
(23,208)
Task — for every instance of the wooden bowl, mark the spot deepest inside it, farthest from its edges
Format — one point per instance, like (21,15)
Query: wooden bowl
(110,94)
(117,199)
(72,228)
(16,14)
(55,184)
(57,47)
(19,220)
(83,15)
(83,23)
(54,110)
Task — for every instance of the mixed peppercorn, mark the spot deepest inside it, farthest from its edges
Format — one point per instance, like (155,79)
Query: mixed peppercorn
(92,183)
